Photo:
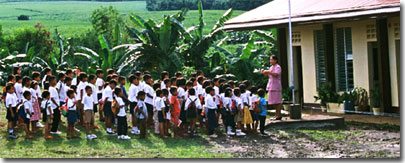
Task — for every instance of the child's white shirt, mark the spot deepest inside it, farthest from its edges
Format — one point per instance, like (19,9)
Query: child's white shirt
(159,104)
(62,91)
(71,104)
(142,105)
(93,94)
(108,93)
(99,83)
(45,104)
(27,106)
(18,91)
(88,102)
(149,90)
(79,92)
(121,103)
(227,103)
(209,102)
(253,98)
(196,100)
(217,96)
(133,93)
(54,96)
(11,99)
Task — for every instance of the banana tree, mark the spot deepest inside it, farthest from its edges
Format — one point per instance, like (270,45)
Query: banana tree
(158,44)
(196,47)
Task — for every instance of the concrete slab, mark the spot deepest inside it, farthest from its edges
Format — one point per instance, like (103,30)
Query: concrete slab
(308,121)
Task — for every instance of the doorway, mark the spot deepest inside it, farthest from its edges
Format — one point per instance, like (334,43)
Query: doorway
(372,50)
(299,86)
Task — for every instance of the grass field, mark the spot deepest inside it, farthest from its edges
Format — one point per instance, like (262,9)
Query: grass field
(72,17)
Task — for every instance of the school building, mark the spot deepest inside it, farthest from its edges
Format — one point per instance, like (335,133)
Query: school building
(349,43)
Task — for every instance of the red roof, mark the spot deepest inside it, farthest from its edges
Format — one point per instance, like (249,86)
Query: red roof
(277,10)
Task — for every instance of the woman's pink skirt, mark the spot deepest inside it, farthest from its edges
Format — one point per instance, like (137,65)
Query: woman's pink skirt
(274,97)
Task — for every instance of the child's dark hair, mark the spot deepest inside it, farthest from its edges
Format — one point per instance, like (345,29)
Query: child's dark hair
(61,75)
(165,81)
(114,76)
(163,75)
(141,93)
(206,83)
(215,80)
(146,72)
(74,87)
(146,77)
(113,82)
(222,80)
(178,74)
(191,91)
(181,82)
(18,77)
(236,91)
(69,71)
(45,94)
(26,94)
(121,78)
(189,84)
(247,83)
(99,71)
(173,80)
(253,89)
(33,84)
(242,88)
(261,92)
(15,70)
(156,86)
(87,88)
(165,92)
(110,71)
(193,75)
(25,80)
(199,72)
(208,89)
(70,92)
(10,77)
(117,91)
(108,78)
(200,79)
(9,86)
(228,92)
(35,74)
(173,89)
(159,92)
(82,76)
(68,79)
(131,78)
(193,79)
(46,85)
(51,78)
(46,70)
(92,77)
(138,73)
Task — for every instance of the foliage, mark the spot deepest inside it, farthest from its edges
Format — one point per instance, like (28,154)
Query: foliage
(160,5)
(196,43)
(24,38)
(105,20)
(23,17)
(326,94)
(287,94)
(362,98)
(347,96)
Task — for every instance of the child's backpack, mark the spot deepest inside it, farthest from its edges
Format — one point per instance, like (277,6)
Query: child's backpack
(255,106)
(43,111)
(114,107)
(234,109)
(192,109)
(21,110)
(64,108)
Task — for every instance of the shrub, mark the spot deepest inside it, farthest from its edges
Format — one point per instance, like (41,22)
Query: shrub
(23,17)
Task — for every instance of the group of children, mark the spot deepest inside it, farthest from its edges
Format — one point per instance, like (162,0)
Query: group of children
(174,104)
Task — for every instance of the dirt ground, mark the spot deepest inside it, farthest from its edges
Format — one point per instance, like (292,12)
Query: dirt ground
(358,140)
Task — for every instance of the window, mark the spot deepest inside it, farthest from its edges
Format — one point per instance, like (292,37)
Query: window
(344,59)
(319,38)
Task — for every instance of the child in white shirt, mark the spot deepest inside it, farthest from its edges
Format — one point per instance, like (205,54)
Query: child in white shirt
(122,126)
(88,107)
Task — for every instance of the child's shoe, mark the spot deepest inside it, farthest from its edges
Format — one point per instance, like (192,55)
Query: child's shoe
(13,136)
(93,136)
(240,133)
(89,137)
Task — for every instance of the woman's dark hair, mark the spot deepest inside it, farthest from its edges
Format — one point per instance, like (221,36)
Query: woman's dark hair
(274,57)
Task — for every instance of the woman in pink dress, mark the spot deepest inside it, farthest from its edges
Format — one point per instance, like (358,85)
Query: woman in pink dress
(274,86)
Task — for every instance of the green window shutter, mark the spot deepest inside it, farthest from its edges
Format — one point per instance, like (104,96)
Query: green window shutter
(319,42)
(344,59)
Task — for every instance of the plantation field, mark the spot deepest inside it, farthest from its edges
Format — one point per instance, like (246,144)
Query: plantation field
(72,17)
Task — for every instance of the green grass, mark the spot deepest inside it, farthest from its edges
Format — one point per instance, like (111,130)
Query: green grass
(73,17)
(322,134)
